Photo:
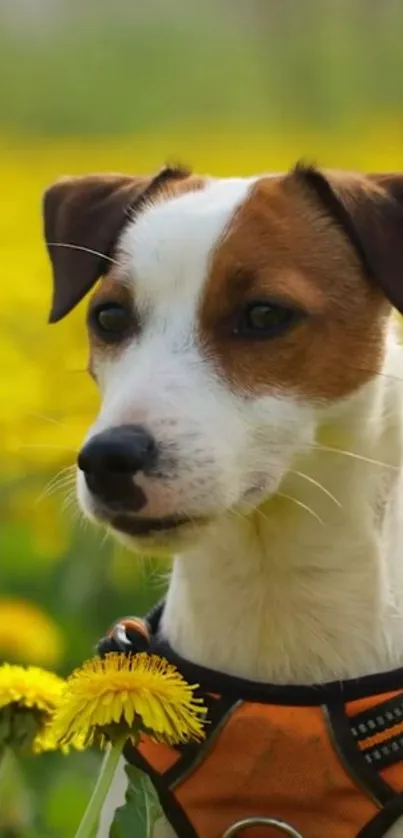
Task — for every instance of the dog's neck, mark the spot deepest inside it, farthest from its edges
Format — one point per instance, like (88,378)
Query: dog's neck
(309,587)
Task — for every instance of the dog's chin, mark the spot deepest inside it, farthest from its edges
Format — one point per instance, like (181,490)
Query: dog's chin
(154,536)
(157,537)
(161,545)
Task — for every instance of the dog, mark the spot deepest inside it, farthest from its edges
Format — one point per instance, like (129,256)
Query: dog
(244,341)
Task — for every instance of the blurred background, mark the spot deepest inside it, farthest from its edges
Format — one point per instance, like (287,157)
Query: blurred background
(226,86)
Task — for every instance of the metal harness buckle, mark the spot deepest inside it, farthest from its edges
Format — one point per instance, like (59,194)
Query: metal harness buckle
(247,823)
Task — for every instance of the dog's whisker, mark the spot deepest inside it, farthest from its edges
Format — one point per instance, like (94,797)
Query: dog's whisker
(319,486)
(71,493)
(61,486)
(67,471)
(71,508)
(354,456)
(63,478)
(68,506)
(106,536)
(80,519)
(64,472)
(85,249)
(77,519)
(378,373)
(262,514)
(157,577)
(65,482)
(242,516)
(49,419)
(301,505)
(69,500)
(148,572)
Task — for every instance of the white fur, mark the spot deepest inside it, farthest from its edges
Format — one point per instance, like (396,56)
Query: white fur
(297,576)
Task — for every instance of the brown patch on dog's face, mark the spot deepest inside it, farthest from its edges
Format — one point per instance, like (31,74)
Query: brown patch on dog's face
(283,248)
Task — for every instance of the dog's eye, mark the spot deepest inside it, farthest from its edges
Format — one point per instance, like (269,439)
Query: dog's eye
(265,320)
(111,321)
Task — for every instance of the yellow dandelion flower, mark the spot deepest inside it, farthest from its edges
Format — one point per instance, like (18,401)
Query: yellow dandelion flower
(121,695)
(117,698)
(28,634)
(28,698)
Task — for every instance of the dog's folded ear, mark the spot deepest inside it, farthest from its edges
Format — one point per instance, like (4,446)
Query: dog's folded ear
(83,217)
(369,211)
(82,220)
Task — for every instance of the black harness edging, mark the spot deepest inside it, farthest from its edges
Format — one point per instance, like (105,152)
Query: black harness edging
(171,808)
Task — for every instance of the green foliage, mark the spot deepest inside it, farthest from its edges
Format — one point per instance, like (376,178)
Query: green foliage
(110,80)
(272,64)
(141,808)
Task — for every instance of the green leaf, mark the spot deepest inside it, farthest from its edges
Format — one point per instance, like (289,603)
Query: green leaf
(141,810)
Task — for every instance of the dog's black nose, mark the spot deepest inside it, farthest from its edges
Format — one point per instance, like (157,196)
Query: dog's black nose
(125,449)
(110,460)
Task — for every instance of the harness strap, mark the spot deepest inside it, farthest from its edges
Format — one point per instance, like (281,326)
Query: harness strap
(382,822)
(169,804)
(363,774)
(190,756)
(379,733)
(365,744)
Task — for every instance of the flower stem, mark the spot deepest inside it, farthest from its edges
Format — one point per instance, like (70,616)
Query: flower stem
(105,777)
(6,759)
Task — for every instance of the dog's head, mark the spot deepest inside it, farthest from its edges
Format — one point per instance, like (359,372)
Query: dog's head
(230,311)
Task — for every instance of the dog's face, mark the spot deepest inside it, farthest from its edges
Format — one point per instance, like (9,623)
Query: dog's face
(230,315)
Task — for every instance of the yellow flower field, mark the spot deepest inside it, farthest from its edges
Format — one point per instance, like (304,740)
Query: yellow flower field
(61,584)
(46,399)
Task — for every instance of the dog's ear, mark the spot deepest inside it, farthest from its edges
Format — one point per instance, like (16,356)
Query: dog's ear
(369,210)
(82,220)
(83,217)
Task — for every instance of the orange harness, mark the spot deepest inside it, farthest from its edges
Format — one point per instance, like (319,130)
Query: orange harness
(318,762)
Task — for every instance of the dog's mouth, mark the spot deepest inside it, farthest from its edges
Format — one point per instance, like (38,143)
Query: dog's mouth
(146,527)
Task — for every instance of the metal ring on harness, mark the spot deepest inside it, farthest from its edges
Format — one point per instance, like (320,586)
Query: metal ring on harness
(281,826)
